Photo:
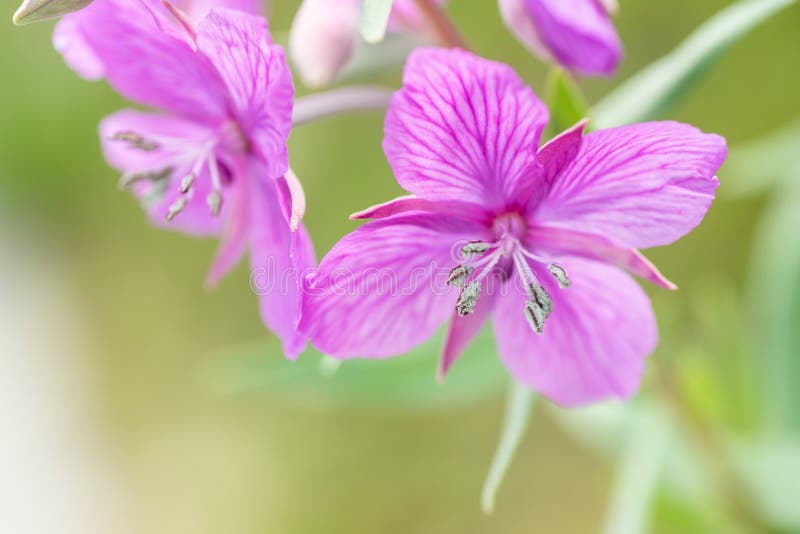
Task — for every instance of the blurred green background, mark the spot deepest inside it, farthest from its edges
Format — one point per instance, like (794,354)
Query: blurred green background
(140,344)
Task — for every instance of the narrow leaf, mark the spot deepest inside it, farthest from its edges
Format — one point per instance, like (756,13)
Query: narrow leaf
(374,18)
(649,93)
(518,413)
(38,10)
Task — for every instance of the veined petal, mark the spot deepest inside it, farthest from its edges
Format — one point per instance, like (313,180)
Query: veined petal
(323,38)
(558,242)
(279,261)
(382,289)
(258,81)
(198,9)
(148,65)
(640,186)
(576,33)
(411,203)
(462,128)
(235,234)
(594,343)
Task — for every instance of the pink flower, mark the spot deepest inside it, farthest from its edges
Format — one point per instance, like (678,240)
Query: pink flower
(577,34)
(69,41)
(325,32)
(539,234)
(214,162)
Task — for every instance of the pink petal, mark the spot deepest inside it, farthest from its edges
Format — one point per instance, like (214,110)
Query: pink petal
(323,38)
(462,330)
(235,234)
(594,343)
(578,34)
(382,289)
(553,158)
(258,81)
(554,241)
(198,9)
(411,203)
(79,56)
(279,261)
(639,186)
(462,128)
(150,66)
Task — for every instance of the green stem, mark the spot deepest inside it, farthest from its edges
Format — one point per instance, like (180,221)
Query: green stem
(518,411)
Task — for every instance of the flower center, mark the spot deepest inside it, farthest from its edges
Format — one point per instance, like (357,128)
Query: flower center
(508,231)
(196,155)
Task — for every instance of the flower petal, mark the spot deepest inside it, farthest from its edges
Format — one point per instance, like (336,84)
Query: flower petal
(640,186)
(555,241)
(78,55)
(382,289)
(411,203)
(594,343)
(279,261)
(258,81)
(149,65)
(577,33)
(462,330)
(462,128)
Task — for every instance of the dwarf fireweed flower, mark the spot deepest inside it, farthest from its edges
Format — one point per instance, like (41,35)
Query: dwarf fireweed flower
(214,161)
(540,235)
(325,32)
(576,34)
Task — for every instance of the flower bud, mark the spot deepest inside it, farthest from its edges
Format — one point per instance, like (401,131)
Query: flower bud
(39,10)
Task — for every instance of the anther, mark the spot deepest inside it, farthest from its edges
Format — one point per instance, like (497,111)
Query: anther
(560,274)
(459,275)
(468,299)
(187,183)
(131,179)
(135,141)
(540,297)
(176,207)
(474,247)
(214,201)
(535,316)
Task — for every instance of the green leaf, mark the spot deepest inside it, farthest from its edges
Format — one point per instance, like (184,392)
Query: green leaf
(565,100)
(650,92)
(775,306)
(765,163)
(374,18)
(405,383)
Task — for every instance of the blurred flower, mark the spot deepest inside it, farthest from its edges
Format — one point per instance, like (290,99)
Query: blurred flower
(324,35)
(38,10)
(540,234)
(576,34)
(215,162)
(68,38)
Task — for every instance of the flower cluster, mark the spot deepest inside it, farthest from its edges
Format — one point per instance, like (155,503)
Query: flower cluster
(535,236)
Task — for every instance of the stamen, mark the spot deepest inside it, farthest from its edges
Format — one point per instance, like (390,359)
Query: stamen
(131,179)
(540,297)
(535,316)
(214,200)
(187,182)
(560,274)
(176,207)
(468,299)
(458,276)
(475,247)
(135,140)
